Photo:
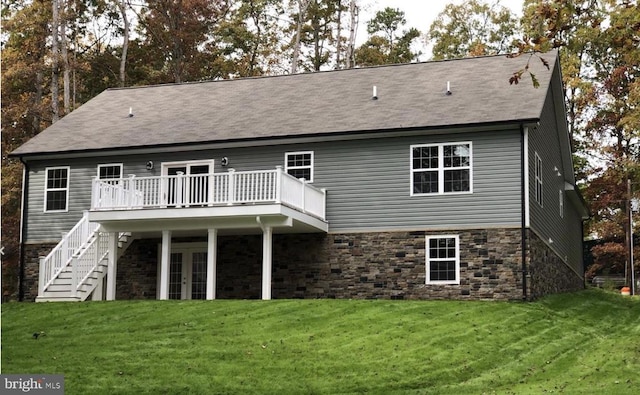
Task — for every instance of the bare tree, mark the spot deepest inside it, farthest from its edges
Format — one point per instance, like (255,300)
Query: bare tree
(64,53)
(339,35)
(55,54)
(302,10)
(125,45)
(353,26)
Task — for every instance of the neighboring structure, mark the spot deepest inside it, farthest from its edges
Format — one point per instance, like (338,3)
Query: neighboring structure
(415,181)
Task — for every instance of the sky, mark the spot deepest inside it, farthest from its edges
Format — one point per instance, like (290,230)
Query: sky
(418,13)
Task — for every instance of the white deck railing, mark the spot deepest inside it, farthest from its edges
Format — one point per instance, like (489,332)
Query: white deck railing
(202,190)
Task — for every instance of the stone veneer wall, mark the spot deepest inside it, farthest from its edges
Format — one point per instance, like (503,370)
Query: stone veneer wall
(384,265)
(239,267)
(548,274)
(137,271)
(391,265)
(388,265)
(32,254)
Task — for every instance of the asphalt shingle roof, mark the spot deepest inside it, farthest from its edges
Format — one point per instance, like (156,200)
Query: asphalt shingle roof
(409,96)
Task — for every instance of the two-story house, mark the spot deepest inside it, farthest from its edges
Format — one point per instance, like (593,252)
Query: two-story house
(413,181)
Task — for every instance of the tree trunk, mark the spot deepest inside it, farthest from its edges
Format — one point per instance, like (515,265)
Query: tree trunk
(302,9)
(125,43)
(37,103)
(339,35)
(64,51)
(55,53)
(351,45)
(256,43)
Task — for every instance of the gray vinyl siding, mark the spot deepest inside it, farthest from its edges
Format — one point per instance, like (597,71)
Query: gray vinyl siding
(368,183)
(49,226)
(565,233)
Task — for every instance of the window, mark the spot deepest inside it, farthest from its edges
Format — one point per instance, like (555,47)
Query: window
(299,164)
(443,259)
(56,191)
(110,171)
(561,202)
(441,168)
(538,177)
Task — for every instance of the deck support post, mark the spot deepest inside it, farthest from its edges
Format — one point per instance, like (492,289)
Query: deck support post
(164,264)
(267,240)
(212,250)
(112,268)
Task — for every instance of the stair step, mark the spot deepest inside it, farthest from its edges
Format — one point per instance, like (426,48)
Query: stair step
(57,299)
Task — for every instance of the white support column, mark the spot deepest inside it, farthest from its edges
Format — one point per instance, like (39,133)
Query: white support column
(267,239)
(112,267)
(165,256)
(212,250)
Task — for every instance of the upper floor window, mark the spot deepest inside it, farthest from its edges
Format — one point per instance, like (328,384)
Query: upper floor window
(441,168)
(110,171)
(299,164)
(443,259)
(56,191)
(538,178)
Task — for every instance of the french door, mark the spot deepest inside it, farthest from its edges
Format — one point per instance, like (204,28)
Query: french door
(188,274)
(187,183)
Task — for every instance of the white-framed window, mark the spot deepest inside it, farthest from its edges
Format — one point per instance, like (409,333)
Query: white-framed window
(56,189)
(538,179)
(299,164)
(441,168)
(561,202)
(109,171)
(443,259)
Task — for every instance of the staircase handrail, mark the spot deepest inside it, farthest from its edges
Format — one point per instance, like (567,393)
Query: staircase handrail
(89,259)
(61,255)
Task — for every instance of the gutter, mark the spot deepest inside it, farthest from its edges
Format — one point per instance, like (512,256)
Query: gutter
(268,140)
(23,227)
(523,209)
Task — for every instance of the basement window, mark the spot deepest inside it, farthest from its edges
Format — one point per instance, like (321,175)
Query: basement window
(56,191)
(299,164)
(443,259)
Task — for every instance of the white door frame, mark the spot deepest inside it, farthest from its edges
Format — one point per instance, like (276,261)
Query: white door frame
(188,164)
(187,250)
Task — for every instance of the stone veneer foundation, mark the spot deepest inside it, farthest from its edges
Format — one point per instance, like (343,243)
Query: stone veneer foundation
(382,265)
(548,273)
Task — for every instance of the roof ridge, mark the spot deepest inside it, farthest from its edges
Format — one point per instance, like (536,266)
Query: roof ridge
(309,73)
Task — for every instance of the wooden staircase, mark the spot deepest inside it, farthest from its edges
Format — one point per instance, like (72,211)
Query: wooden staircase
(75,268)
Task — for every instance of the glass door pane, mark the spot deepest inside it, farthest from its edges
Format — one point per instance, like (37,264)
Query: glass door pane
(175,276)
(175,186)
(199,275)
(198,185)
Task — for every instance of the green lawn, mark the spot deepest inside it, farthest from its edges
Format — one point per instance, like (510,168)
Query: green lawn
(582,343)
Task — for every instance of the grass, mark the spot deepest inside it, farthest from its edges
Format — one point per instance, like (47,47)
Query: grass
(582,343)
